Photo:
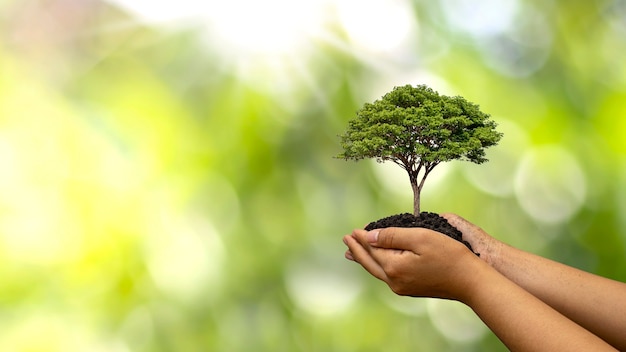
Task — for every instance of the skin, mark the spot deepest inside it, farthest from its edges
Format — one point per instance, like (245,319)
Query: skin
(596,303)
(422,263)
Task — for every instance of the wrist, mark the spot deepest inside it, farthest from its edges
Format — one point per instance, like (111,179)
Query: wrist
(480,279)
(493,252)
(473,279)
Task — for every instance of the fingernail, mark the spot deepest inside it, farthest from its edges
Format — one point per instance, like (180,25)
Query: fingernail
(349,256)
(372,236)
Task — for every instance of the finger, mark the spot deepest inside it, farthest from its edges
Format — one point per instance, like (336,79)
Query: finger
(363,257)
(407,239)
(349,255)
(362,237)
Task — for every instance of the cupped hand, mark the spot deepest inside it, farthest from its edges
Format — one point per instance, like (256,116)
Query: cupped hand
(415,261)
(488,247)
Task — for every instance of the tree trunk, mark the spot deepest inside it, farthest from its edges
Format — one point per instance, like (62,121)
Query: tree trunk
(416,197)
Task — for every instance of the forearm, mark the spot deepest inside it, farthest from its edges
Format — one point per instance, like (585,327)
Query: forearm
(593,302)
(522,321)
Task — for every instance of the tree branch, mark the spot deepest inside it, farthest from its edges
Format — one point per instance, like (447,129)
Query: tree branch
(427,169)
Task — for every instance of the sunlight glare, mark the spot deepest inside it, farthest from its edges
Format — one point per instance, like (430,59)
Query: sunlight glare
(550,184)
(376,25)
(318,284)
(185,255)
(456,321)
(158,12)
(497,177)
(240,27)
(273,27)
(480,19)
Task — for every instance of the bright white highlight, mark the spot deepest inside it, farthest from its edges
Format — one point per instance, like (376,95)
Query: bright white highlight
(269,43)
(266,27)
(497,176)
(242,27)
(405,304)
(185,256)
(550,184)
(456,321)
(396,180)
(282,26)
(320,286)
(376,25)
(481,18)
(164,11)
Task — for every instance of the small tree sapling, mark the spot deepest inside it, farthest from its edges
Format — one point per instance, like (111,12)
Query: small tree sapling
(416,128)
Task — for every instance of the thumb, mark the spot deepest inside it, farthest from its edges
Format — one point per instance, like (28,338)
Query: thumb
(466,227)
(394,238)
(456,220)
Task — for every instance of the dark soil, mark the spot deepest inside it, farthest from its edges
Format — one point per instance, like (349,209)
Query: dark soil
(426,220)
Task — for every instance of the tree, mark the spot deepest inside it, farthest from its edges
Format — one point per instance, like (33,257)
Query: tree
(417,129)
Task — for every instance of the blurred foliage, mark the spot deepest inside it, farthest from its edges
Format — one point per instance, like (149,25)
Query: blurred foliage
(168,187)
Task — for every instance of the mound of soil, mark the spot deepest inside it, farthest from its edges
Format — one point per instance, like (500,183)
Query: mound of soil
(426,220)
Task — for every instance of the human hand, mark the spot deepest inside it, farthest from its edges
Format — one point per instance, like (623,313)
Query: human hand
(488,247)
(416,261)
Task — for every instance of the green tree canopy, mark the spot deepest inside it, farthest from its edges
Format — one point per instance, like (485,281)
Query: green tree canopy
(417,128)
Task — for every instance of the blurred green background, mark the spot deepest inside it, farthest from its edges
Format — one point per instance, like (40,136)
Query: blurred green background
(167,180)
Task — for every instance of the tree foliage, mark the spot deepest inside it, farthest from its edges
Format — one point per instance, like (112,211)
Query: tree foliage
(417,129)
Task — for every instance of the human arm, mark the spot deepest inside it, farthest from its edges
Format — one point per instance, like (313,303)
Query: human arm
(424,263)
(596,303)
